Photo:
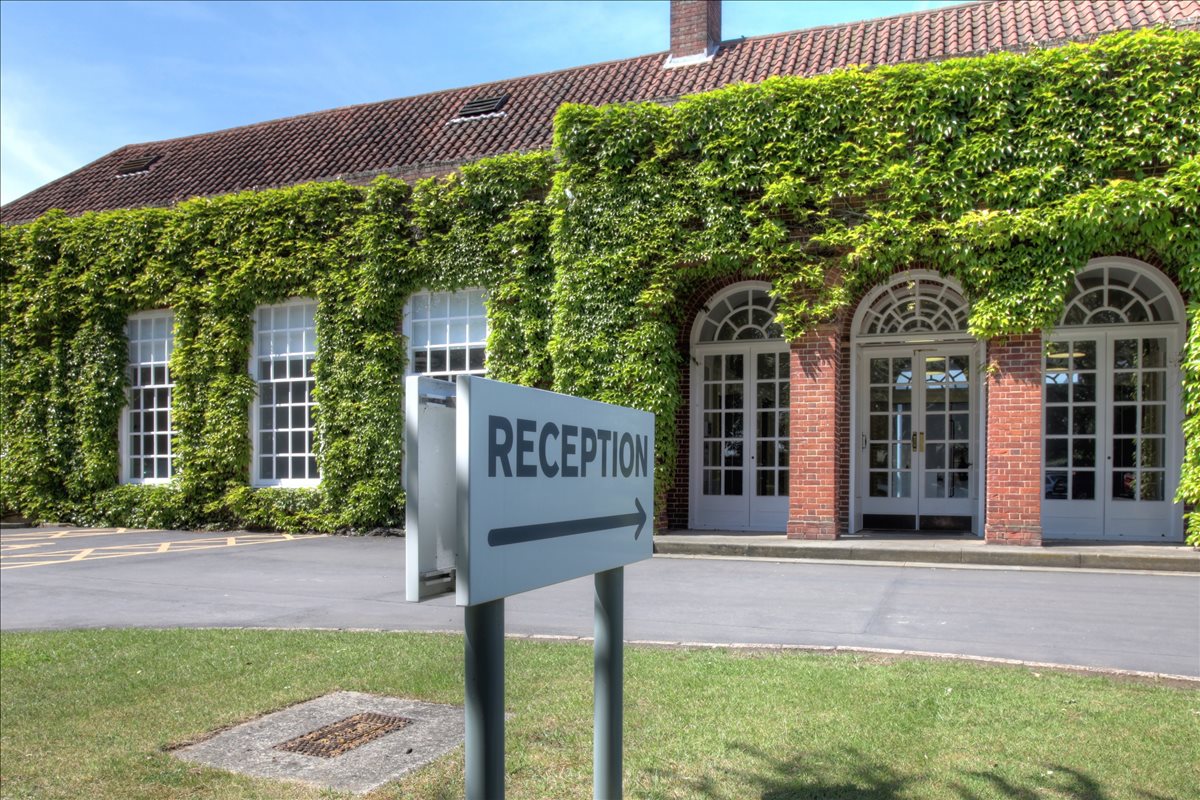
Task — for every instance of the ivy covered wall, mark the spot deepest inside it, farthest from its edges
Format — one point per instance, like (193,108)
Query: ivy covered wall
(70,285)
(1007,172)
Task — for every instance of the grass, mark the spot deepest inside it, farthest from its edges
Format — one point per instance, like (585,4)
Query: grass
(91,713)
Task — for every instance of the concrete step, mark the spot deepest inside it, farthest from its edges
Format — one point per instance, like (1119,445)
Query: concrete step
(1152,557)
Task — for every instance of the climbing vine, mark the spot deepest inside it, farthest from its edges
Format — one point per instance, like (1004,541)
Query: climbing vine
(70,285)
(1007,172)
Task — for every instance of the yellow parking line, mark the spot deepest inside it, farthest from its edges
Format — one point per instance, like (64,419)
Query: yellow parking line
(13,560)
(24,536)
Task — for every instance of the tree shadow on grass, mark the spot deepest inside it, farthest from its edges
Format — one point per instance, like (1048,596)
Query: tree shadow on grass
(803,776)
(813,776)
(1059,781)
(1064,782)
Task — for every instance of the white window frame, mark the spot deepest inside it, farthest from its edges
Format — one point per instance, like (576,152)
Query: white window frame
(1174,331)
(256,478)
(748,511)
(125,427)
(469,319)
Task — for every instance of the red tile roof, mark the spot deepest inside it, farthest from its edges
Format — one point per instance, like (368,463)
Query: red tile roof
(414,136)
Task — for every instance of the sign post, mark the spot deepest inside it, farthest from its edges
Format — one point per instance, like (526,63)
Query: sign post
(608,664)
(484,684)
(544,488)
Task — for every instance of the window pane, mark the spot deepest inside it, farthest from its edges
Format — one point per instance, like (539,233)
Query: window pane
(1152,486)
(1083,485)
(1056,486)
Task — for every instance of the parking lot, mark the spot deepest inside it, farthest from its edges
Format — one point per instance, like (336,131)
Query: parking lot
(41,548)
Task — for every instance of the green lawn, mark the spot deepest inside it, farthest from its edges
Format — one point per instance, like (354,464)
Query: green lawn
(89,714)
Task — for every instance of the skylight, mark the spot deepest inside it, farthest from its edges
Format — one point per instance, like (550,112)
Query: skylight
(135,165)
(481,106)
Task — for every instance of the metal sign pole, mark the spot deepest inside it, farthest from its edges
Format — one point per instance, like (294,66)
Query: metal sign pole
(608,664)
(484,624)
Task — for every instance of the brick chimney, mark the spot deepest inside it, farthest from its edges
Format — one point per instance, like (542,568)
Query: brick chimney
(695,31)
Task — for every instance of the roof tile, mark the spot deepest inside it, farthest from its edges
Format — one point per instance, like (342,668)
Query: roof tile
(412,136)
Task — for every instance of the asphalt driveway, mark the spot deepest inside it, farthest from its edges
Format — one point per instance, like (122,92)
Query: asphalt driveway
(72,578)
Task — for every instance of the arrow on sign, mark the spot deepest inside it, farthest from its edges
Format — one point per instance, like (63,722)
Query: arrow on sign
(570,527)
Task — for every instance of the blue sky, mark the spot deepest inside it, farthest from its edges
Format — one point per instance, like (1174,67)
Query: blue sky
(78,80)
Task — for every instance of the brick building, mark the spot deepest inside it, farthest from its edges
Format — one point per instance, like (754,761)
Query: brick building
(907,422)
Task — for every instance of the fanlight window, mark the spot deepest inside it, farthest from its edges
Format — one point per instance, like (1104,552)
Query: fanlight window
(744,314)
(1116,295)
(920,305)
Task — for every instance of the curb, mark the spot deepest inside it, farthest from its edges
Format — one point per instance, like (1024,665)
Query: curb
(1011,557)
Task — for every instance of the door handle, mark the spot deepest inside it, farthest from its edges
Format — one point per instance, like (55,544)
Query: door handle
(918,442)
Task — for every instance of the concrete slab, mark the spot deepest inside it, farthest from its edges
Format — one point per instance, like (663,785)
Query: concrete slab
(252,747)
(910,549)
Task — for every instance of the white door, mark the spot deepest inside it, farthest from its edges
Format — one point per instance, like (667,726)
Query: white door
(1111,435)
(740,440)
(917,445)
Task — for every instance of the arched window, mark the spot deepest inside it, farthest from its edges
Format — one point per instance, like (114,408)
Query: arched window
(1111,437)
(747,313)
(914,303)
(1117,292)
(740,404)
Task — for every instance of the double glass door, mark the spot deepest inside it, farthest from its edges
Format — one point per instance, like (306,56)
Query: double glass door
(1110,436)
(917,439)
(740,469)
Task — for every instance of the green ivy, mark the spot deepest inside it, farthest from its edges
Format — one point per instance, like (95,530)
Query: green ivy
(70,285)
(1007,172)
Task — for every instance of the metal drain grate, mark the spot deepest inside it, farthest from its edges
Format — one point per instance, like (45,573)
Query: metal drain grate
(344,735)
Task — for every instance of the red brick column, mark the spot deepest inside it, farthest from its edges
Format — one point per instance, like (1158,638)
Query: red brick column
(816,450)
(1014,441)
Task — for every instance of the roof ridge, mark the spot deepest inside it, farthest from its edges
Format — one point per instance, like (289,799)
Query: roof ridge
(871,21)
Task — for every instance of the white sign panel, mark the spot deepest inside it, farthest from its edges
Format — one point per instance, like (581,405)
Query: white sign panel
(550,488)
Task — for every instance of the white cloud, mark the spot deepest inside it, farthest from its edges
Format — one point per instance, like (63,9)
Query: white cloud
(30,155)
